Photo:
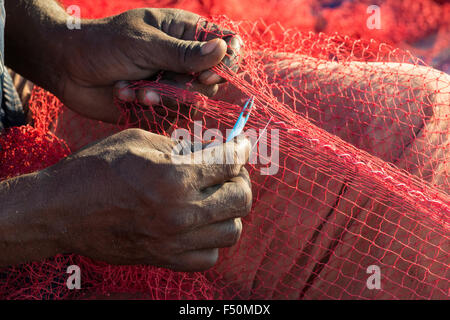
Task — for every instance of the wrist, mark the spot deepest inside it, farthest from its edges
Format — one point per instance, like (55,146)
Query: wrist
(70,197)
(35,35)
(29,226)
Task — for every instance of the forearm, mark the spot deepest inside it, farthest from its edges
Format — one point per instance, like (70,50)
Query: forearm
(28,223)
(34,39)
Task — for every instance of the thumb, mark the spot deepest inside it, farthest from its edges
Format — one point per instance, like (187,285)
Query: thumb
(222,162)
(183,56)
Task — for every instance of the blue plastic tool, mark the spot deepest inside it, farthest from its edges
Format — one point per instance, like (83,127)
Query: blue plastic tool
(242,120)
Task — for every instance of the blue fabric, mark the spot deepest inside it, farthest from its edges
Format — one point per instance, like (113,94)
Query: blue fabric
(11,111)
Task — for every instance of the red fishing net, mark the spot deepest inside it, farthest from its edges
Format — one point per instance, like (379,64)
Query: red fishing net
(356,173)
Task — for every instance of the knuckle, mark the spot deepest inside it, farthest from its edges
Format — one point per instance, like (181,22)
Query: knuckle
(232,170)
(184,50)
(174,24)
(173,12)
(244,198)
(233,232)
(132,157)
(182,177)
(178,14)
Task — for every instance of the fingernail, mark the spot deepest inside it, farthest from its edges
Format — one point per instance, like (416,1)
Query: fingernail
(237,42)
(151,97)
(122,84)
(209,46)
(126,94)
(123,91)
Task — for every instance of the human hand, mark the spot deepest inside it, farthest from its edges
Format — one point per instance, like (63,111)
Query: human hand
(131,200)
(106,55)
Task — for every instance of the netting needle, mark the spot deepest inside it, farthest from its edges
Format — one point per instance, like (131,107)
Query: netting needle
(242,119)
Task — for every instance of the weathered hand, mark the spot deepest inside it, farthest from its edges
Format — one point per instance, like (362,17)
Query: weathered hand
(102,58)
(132,200)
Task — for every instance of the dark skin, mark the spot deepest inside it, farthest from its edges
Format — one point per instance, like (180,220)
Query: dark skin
(126,199)
(86,68)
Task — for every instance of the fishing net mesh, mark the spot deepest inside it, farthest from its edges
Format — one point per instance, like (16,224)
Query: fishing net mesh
(356,172)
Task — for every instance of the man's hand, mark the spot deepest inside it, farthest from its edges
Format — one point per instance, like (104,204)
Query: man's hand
(129,199)
(87,68)
(106,54)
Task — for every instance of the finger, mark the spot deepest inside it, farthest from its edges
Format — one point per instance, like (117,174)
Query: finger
(230,200)
(234,52)
(184,56)
(169,108)
(220,163)
(198,260)
(154,108)
(188,82)
(186,25)
(165,107)
(218,235)
(231,60)
(178,23)
(233,199)
(149,97)
(209,77)
(123,91)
